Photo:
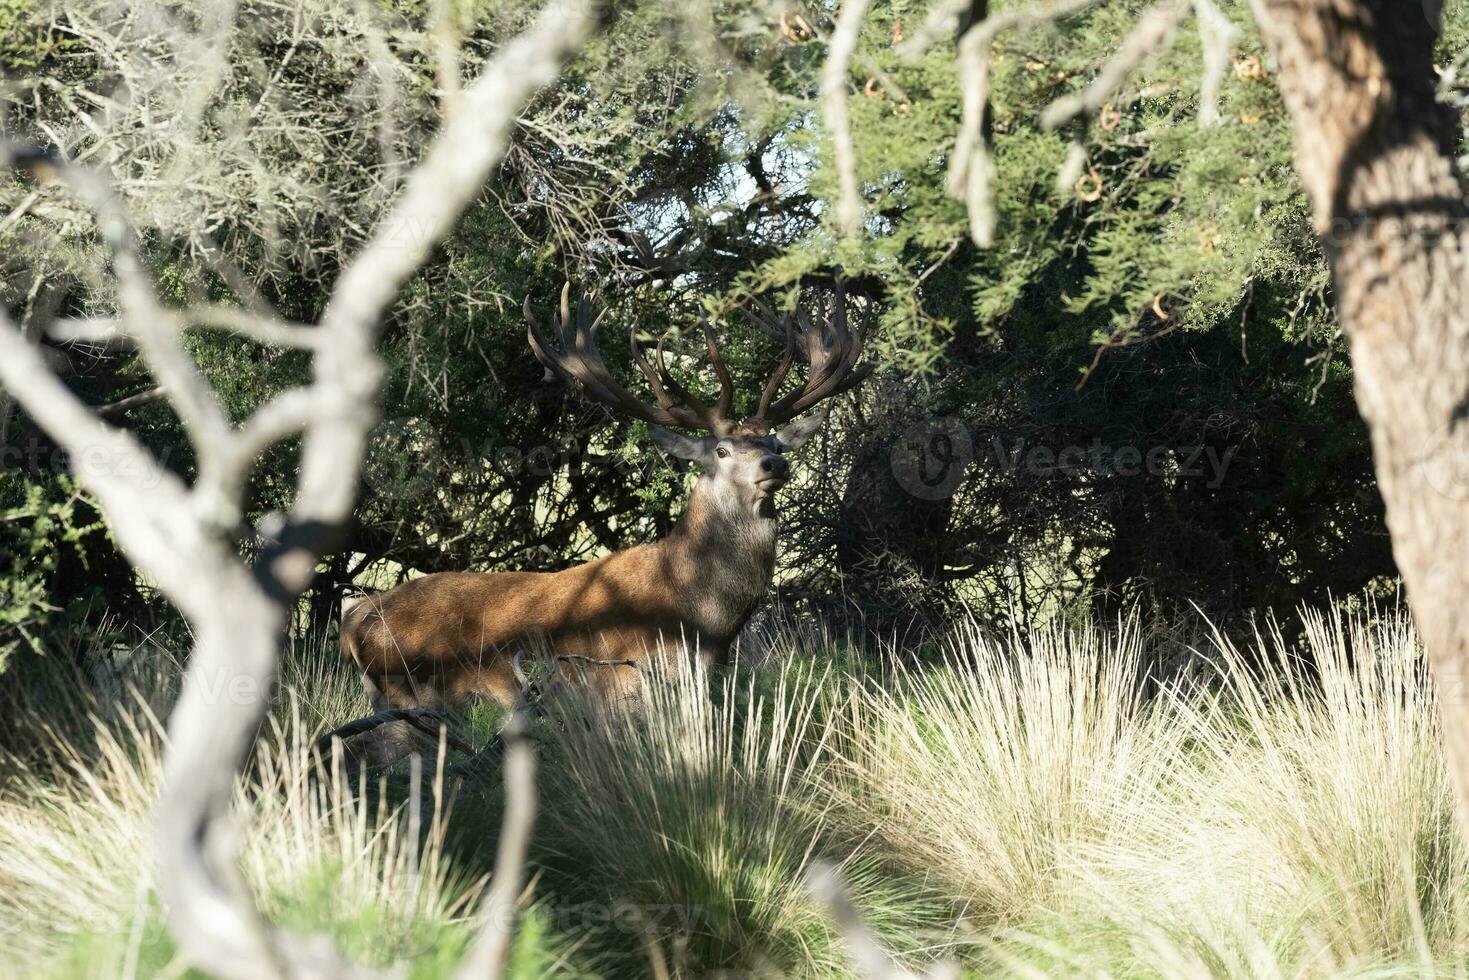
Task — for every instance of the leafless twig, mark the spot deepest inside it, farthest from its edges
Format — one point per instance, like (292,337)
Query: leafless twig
(834,111)
(972,167)
(125,405)
(1218,35)
(1153,31)
(268,330)
(447,55)
(184,537)
(432,723)
(945,18)
(486,958)
(869,960)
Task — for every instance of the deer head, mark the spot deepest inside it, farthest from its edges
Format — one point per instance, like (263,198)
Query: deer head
(743,461)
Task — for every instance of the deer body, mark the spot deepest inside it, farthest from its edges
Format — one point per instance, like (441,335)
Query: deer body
(435,641)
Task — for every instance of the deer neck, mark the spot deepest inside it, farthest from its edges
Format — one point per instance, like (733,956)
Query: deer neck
(721,557)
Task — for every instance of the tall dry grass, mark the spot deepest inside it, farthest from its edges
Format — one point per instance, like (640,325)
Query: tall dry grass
(1312,830)
(76,888)
(1286,815)
(988,774)
(1032,806)
(695,809)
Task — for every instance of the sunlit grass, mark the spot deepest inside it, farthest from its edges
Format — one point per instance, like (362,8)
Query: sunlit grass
(1031,806)
(1296,821)
(698,808)
(75,879)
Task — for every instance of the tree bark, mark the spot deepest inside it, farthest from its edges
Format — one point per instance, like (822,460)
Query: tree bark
(1375,150)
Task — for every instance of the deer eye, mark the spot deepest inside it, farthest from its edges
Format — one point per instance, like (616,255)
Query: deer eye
(721,452)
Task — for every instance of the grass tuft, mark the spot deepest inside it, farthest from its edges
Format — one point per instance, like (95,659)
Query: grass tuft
(1032,806)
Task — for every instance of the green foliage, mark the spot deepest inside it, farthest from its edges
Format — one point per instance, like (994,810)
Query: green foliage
(1175,297)
(42,524)
(28,37)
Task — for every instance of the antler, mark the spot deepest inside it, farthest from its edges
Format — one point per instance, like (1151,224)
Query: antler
(579,359)
(833,359)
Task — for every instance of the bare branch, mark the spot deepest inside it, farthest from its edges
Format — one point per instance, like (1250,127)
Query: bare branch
(1072,168)
(30,381)
(1153,32)
(446,56)
(147,507)
(869,960)
(385,67)
(206,744)
(99,331)
(450,175)
(972,167)
(835,111)
(264,329)
(154,328)
(239,613)
(429,721)
(1218,34)
(697,19)
(124,405)
(486,958)
(944,19)
(219,491)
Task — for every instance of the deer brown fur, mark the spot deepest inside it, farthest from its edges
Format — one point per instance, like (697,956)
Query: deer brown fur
(438,640)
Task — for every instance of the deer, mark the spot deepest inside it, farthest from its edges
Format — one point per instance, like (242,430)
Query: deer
(437,641)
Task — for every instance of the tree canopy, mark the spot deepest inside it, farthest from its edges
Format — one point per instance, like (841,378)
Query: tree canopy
(1137,393)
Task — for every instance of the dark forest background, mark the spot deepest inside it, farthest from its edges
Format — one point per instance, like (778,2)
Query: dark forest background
(1137,397)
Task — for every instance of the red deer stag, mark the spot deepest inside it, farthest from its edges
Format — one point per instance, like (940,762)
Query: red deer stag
(437,640)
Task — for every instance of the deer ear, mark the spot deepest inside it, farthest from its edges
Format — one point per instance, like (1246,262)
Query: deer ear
(791,437)
(677,444)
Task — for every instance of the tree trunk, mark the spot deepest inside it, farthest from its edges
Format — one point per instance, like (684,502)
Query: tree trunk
(1375,150)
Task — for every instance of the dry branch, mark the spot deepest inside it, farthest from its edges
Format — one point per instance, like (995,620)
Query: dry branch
(869,960)
(836,116)
(972,167)
(945,18)
(184,538)
(429,721)
(486,958)
(264,329)
(125,405)
(1218,34)
(1153,32)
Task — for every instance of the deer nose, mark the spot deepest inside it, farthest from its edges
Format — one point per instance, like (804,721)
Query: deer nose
(775,465)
